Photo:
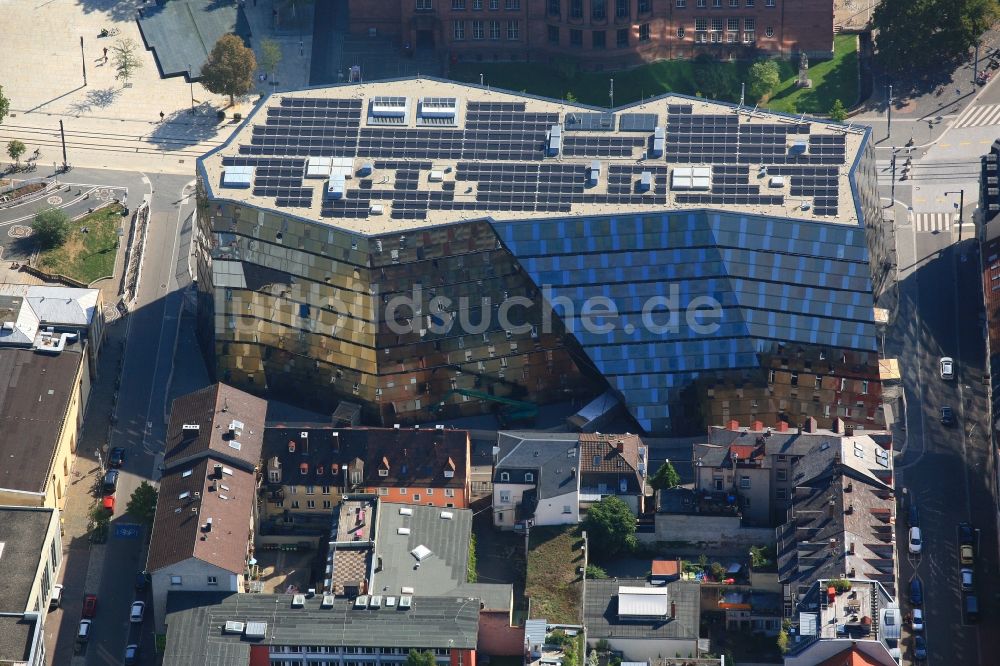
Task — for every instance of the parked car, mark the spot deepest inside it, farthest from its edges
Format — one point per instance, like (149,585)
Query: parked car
(947,416)
(110,482)
(967,580)
(918,620)
(131,655)
(947,368)
(914,514)
(915,543)
(919,648)
(90,605)
(138,609)
(55,597)
(971,606)
(108,502)
(965,554)
(140,581)
(966,535)
(83,631)
(116,458)
(916,592)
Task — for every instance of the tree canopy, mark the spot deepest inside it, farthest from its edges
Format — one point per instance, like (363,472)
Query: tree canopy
(15,149)
(51,227)
(125,59)
(837,111)
(918,34)
(420,658)
(666,477)
(142,504)
(764,78)
(610,526)
(270,56)
(4,105)
(229,68)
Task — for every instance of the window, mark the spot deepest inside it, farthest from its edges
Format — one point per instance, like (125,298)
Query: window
(416,497)
(769,31)
(781,474)
(274,476)
(293,490)
(383,491)
(621,8)
(310,504)
(424,5)
(529,477)
(769,3)
(494,35)
(429,491)
(644,32)
(554,35)
(404,491)
(864,387)
(716,3)
(781,494)
(732,24)
(598,10)
(598,38)
(575,37)
(680,32)
(718,484)
(567,508)
(327,504)
(478,32)
(477,5)
(554,7)
(681,4)
(748,36)
(494,4)
(750,3)
(622,38)
(280,504)
(459,30)
(383,472)
(212,580)
(576,8)
(701,24)
(505,497)
(734,3)
(513,30)
(310,490)
(505,476)
(295,504)
(745,483)
(701,3)
(458,4)
(512,5)
(326,490)
(175,580)
(644,6)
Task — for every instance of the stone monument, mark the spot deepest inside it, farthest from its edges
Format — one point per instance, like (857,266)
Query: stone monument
(804,81)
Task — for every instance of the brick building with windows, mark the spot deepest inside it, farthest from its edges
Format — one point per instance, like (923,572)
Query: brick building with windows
(605,33)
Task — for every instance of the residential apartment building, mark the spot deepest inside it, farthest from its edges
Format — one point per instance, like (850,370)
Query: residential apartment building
(203,531)
(611,33)
(30,557)
(536,478)
(293,630)
(761,466)
(613,465)
(43,398)
(361,276)
(308,468)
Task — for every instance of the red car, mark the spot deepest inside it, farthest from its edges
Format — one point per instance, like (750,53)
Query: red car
(90,605)
(109,503)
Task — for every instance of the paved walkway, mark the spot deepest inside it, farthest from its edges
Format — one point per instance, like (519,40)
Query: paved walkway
(107,124)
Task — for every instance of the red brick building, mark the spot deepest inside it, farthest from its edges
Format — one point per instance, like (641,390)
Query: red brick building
(603,33)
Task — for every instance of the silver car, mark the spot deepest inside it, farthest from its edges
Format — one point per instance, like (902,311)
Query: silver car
(947,368)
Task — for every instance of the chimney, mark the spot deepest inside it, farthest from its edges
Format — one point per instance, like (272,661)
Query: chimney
(673,610)
(304,436)
(849,430)
(621,446)
(810,425)
(851,551)
(782,426)
(208,524)
(838,425)
(733,425)
(757,426)
(217,471)
(335,440)
(291,446)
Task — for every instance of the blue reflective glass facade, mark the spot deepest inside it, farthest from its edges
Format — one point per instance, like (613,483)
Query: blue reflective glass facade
(634,291)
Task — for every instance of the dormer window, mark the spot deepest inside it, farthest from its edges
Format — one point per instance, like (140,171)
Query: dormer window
(505,476)
(304,469)
(383,468)
(449,474)
(528,476)
(597,461)
(383,472)
(319,470)
(291,447)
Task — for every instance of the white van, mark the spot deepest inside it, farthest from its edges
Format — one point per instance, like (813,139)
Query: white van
(55,598)
(83,633)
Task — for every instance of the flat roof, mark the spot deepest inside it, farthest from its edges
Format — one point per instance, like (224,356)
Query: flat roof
(602,613)
(196,622)
(35,390)
(396,159)
(16,637)
(22,536)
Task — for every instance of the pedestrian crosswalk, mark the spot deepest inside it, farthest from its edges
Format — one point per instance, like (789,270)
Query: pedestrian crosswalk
(979,115)
(933,221)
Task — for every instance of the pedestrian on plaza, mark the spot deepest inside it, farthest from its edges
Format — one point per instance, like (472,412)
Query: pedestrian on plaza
(161,116)
(105,54)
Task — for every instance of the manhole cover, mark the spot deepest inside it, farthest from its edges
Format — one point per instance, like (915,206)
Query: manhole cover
(54,200)
(19,231)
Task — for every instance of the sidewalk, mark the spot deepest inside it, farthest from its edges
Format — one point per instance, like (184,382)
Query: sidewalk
(108,125)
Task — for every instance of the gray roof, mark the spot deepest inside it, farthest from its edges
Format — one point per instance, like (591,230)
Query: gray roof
(16,633)
(22,533)
(551,457)
(495,596)
(601,611)
(448,540)
(195,622)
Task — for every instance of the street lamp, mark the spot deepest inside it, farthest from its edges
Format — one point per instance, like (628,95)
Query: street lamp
(100,459)
(961,207)
(191,83)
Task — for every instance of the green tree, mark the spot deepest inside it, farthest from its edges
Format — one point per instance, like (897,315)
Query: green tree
(610,526)
(420,658)
(595,572)
(837,111)
(142,504)
(764,78)
(715,80)
(229,68)
(783,641)
(15,149)
(4,105)
(125,59)
(911,35)
(51,227)
(270,56)
(471,574)
(570,97)
(593,659)
(666,477)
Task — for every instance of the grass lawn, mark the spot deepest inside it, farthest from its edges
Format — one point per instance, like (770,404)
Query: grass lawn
(553,585)
(87,256)
(832,79)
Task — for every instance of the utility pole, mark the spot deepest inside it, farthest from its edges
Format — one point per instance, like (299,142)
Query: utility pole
(62,135)
(888,109)
(961,208)
(191,83)
(893,194)
(83,61)
(611,93)
(975,69)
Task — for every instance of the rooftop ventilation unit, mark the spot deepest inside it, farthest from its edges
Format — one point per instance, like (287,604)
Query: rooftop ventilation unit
(318,167)
(361,601)
(327,601)
(298,601)
(421,552)
(405,511)
(234,627)
(447,515)
(595,173)
(375,601)
(437,111)
(190,428)
(237,176)
(388,111)
(659,141)
(236,428)
(340,171)
(390,602)
(405,531)
(405,602)
(554,144)
(406,590)
(645,181)
(691,178)
(255,630)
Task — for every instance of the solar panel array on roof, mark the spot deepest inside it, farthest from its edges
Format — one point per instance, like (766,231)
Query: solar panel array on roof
(637,122)
(589,122)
